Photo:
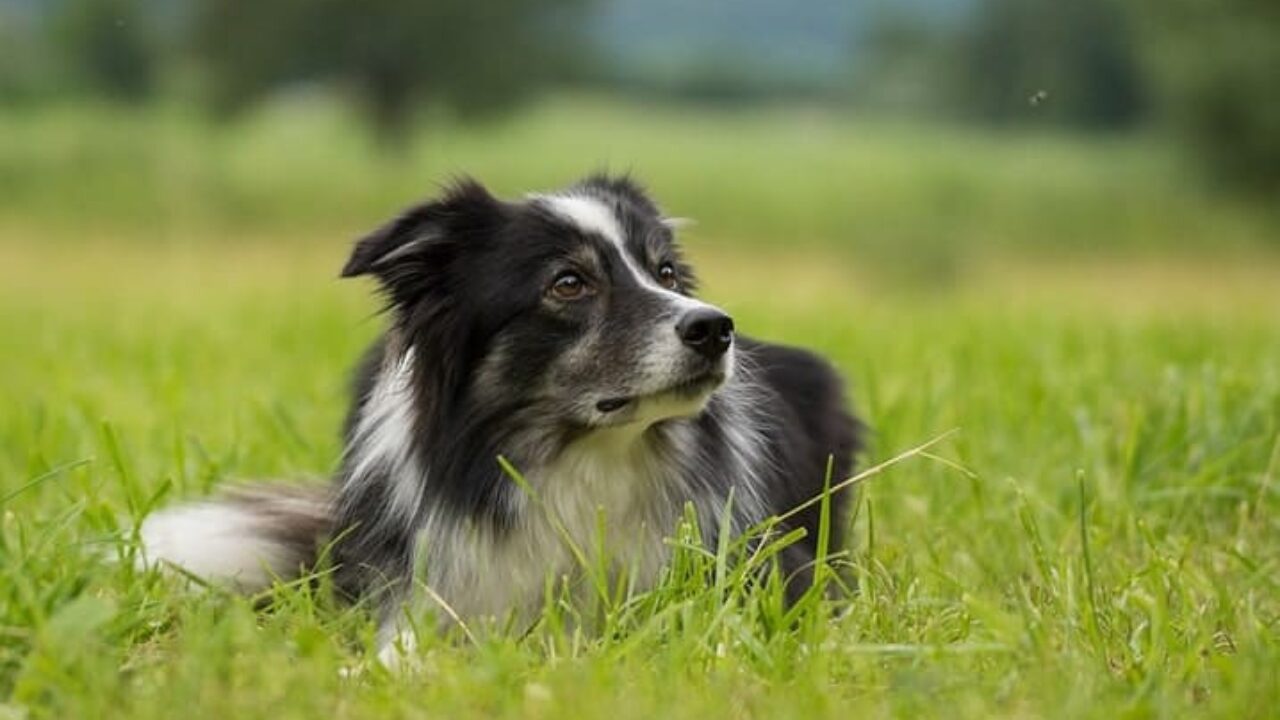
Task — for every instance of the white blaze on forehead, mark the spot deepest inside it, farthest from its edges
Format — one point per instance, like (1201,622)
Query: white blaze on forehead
(593,215)
(589,214)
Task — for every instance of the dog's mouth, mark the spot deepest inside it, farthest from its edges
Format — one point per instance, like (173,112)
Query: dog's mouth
(688,388)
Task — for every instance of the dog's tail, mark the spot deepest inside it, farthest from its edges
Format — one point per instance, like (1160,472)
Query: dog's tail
(246,538)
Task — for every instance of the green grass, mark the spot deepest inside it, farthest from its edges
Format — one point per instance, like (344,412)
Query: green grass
(305,169)
(1108,546)
(1114,551)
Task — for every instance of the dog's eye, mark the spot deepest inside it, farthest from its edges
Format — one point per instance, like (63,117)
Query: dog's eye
(668,277)
(568,286)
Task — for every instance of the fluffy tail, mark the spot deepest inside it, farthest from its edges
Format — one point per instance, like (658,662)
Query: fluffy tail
(247,538)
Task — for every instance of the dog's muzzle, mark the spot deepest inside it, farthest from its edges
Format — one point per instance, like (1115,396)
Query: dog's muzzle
(707,332)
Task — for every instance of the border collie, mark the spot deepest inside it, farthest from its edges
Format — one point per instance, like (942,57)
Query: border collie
(560,333)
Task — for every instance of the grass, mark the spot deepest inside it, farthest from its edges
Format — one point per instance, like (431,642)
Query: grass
(304,169)
(1108,545)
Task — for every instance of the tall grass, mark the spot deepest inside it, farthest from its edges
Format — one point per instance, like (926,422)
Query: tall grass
(1109,547)
(1098,539)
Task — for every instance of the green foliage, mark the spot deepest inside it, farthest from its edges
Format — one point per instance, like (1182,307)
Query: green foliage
(1109,549)
(1218,64)
(1098,540)
(906,64)
(918,200)
(392,55)
(108,46)
(1073,62)
(1207,70)
(24,74)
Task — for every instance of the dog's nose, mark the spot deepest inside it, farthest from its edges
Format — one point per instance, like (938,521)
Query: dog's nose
(706,330)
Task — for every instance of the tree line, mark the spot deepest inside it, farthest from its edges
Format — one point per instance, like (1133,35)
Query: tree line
(390,57)
(1209,72)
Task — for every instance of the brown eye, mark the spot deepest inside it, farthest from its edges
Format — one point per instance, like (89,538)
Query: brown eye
(568,286)
(668,277)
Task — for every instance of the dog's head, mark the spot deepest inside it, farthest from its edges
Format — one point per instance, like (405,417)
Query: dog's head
(573,307)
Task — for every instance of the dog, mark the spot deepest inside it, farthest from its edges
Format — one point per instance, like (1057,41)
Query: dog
(555,340)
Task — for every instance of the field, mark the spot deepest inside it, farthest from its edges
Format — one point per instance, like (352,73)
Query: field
(1098,537)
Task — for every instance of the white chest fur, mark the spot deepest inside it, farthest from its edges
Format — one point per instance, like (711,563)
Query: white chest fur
(603,499)
(608,496)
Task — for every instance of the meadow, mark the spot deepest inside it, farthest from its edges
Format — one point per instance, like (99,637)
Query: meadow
(1095,333)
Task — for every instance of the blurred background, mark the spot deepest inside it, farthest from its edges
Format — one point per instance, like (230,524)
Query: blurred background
(915,137)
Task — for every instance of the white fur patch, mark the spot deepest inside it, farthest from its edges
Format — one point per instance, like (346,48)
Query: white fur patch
(218,542)
(405,249)
(593,215)
(589,213)
(747,444)
(384,438)
(606,480)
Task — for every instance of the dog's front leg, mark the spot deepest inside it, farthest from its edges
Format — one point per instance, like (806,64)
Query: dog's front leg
(397,646)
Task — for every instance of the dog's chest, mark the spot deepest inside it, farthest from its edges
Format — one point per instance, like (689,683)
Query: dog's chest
(590,504)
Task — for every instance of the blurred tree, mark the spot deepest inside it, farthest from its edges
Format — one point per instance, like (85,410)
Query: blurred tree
(24,61)
(475,58)
(905,60)
(107,46)
(1075,62)
(1218,64)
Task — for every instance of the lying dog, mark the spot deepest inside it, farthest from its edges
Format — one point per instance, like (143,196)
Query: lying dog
(561,334)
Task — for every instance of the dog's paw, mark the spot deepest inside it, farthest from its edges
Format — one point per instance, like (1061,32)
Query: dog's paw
(399,655)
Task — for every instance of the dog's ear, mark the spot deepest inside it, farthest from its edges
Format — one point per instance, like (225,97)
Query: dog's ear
(408,244)
(413,229)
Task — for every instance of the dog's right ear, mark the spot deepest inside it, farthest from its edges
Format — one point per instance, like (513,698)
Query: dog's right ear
(422,236)
(397,241)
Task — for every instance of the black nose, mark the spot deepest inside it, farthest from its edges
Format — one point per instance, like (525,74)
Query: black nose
(706,330)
